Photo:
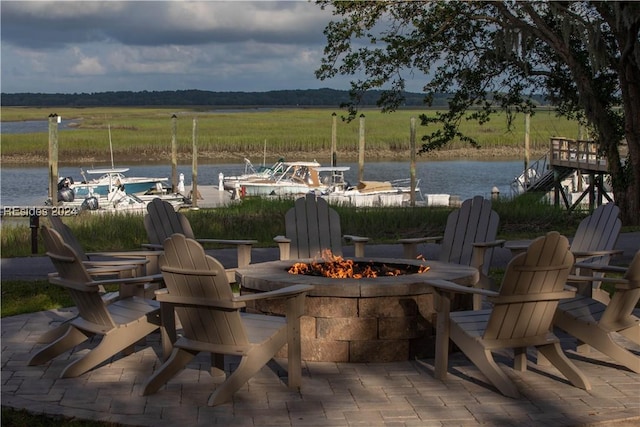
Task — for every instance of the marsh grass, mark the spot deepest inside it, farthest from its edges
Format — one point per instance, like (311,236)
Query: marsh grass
(146,133)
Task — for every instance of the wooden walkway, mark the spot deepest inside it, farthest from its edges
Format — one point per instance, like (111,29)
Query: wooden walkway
(565,158)
(209,196)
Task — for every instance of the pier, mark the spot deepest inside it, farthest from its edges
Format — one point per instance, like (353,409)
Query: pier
(565,158)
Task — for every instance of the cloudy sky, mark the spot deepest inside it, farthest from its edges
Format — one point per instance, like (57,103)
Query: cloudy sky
(97,46)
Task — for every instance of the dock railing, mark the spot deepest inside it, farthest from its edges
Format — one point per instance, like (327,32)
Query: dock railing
(582,155)
(530,177)
(564,154)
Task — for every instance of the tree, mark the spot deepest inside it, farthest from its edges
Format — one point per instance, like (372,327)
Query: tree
(494,56)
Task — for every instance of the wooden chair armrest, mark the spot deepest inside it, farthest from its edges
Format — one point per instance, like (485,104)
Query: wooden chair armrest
(594,254)
(619,282)
(544,296)
(124,254)
(189,271)
(440,285)
(478,254)
(228,242)
(603,268)
(492,244)
(517,246)
(410,245)
(116,264)
(130,281)
(101,271)
(243,247)
(421,239)
(152,246)
(281,239)
(278,293)
(358,242)
(284,243)
(177,301)
(109,270)
(355,239)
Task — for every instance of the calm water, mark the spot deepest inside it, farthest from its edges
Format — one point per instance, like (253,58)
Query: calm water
(33,126)
(25,186)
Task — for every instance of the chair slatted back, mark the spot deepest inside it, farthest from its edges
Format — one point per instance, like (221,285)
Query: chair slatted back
(620,309)
(531,290)
(162,220)
(473,222)
(68,236)
(73,275)
(189,272)
(598,232)
(313,227)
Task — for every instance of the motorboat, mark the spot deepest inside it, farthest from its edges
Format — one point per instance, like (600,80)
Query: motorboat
(114,178)
(252,173)
(111,193)
(282,179)
(366,193)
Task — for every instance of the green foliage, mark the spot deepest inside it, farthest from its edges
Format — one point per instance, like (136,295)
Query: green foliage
(262,219)
(530,216)
(580,55)
(22,296)
(23,418)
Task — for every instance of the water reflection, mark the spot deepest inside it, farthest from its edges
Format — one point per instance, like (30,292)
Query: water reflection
(464,178)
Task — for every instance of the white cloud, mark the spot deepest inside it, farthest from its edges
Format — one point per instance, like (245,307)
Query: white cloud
(88,66)
(161,45)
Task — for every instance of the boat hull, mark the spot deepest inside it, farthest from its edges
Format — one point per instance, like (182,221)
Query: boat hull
(136,187)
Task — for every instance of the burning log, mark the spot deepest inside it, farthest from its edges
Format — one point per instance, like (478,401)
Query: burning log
(339,268)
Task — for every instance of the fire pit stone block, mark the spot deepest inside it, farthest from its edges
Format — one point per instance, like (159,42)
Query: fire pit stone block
(354,320)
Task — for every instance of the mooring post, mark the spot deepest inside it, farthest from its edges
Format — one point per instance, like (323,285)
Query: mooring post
(495,193)
(361,150)
(174,153)
(527,132)
(412,167)
(194,166)
(334,139)
(53,158)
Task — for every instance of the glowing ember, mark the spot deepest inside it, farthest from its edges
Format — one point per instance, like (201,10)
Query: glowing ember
(339,268)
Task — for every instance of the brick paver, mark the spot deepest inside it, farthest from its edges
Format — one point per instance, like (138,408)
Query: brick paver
(332,394)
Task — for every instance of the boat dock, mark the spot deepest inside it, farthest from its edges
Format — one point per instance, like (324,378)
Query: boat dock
(567,157)
(209,196)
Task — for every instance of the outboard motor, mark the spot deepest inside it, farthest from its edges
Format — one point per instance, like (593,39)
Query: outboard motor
(65,193)
(90,203)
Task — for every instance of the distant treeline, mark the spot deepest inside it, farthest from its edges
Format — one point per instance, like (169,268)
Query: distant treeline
(308,97)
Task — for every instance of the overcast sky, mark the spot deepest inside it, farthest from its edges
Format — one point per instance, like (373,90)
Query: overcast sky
(91,46)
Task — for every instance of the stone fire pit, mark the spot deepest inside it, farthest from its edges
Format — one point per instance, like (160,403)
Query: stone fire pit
(380,319)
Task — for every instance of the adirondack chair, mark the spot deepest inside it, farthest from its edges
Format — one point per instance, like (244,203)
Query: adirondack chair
(104,265)
(121,323)
(311,227)
(109,263)
(212,320)
(469,239)
(521,315)
(595,324)
(162,220)
(594,241)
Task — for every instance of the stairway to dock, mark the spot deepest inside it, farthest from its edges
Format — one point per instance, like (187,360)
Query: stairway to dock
(565,158)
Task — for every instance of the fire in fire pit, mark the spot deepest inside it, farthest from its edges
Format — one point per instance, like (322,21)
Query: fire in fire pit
(337,267)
